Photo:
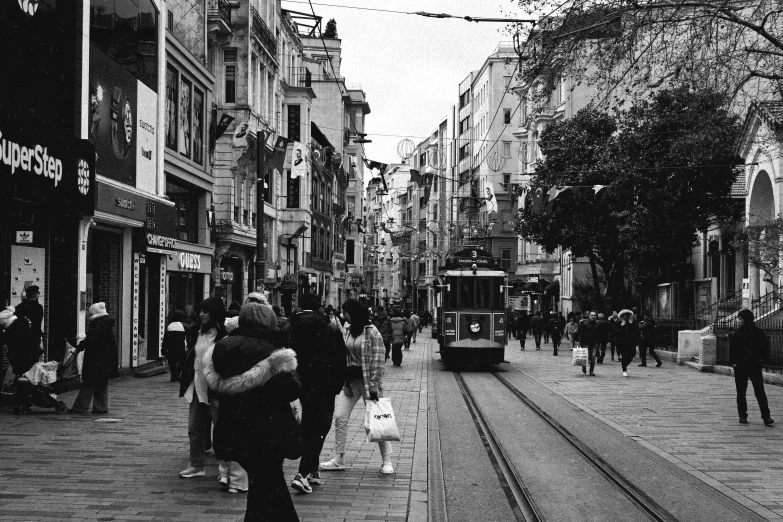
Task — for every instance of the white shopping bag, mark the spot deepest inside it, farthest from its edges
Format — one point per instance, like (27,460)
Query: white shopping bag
(380,422)
(580,356)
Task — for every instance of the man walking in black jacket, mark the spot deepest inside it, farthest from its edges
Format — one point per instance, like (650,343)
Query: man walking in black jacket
(537,325)
(748,352)
(587,335)
(321,355)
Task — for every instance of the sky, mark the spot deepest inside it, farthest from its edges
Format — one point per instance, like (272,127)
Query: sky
(409,66)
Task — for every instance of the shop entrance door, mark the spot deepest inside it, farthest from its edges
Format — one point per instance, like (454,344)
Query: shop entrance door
(149,308)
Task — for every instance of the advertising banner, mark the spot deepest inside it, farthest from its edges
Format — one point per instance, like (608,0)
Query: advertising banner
(146,142)
(113,119)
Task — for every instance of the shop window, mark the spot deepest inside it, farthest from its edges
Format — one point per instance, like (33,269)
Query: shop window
(185,116)
(198,126)
(186,204)
(172,107)
(127,31)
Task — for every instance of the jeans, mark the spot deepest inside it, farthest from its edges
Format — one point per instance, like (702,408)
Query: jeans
(199,425)
(317,415)
(343,407)
(268,499)
(95,390)
(601,353)
(590,356)
(743,372)
(387,345)
(397,353)
(408,341)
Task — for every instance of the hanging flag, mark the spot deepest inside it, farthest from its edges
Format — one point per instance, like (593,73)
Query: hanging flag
(277,158)
(539,198)
(416,177)
(218,127)
(598,188)
(523,191)
(554,192)
(298,160)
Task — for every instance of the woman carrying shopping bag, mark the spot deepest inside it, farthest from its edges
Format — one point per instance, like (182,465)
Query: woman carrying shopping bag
(364,377)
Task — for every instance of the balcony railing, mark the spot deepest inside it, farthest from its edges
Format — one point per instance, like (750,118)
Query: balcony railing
(299,77)
(263,34)
(219,14)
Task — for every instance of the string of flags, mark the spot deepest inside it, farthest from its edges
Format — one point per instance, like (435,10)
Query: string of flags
(543,198)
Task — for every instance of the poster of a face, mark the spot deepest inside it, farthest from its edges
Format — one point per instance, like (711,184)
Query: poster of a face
(184,117)
(171,108)
(298,160)
(198,126)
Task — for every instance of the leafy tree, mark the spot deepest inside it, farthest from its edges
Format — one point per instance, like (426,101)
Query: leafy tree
(627,47)
(331,29)
(667,165)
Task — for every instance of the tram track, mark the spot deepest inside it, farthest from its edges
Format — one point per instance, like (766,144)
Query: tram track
(522,503)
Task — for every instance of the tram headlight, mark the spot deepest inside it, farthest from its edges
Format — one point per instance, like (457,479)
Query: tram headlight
(475,327)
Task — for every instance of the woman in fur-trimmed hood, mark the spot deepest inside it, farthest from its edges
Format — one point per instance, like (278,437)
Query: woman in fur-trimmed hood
(258,415)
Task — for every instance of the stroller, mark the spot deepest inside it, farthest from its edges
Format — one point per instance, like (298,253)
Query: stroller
(40,385)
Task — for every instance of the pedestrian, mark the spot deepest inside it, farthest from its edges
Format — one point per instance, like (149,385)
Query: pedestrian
(99,347)
(626,336)
(22,353)
(333,319)
(587,336)
(422,319)
(649,335)
(193,383)
(546,327)
(414,325)
(232,320)
(613,322)
(523,324)
(259,413)
(537,325)
(320,354)
(233,309)
(398,336)
(554,328)
(603,337)
(175,342)
(33,311)
(364,380)
(571,328)
(381,322)
(748,352)
(561,323)
(510,323)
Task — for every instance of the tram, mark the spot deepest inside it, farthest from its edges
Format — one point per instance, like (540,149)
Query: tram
(471,321)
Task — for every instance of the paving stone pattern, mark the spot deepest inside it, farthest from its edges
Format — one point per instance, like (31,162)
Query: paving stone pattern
(81,468)
(686,417)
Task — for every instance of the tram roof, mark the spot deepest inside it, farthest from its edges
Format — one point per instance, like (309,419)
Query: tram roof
(483,273)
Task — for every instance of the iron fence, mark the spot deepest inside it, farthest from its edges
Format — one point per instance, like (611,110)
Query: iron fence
(668,332)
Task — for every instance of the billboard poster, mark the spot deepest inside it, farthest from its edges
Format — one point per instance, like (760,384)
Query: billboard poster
(146,142)
(184,117)
(172,105)
(298,160)
(113,123)
(198,126)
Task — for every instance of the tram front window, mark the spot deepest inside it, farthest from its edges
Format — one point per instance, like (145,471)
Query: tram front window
(483,293)
(466,293)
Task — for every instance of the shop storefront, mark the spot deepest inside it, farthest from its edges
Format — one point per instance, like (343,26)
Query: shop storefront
(47,172)
(188,273)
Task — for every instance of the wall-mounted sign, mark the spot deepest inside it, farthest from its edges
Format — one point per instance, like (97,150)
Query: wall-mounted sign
(190,261)
(24,236)
(194,262)
(227,277)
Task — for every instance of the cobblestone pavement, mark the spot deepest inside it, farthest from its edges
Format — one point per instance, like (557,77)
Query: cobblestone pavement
(124,466)
(686,417)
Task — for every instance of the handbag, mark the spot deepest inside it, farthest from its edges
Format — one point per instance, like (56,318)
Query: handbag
(380,421)
(579,357)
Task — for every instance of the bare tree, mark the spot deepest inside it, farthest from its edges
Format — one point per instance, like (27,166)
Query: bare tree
(626,48)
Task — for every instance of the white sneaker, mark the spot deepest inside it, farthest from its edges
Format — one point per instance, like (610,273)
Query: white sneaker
(625,374)
(331,465)
(301,484)
(387,469)
(191,472)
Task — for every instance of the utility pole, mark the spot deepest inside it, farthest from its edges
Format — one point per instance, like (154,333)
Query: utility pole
(260,217)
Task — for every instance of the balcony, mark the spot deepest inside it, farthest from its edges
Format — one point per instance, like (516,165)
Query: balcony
(299,77)
(219,16)
(263,35)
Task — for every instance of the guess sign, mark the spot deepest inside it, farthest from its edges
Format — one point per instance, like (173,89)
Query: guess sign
(190,261)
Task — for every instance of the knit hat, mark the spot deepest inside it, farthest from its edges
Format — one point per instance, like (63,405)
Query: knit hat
(97,310)
(746,315)
(5,317)
(254,315)
(235,306)
(214,307)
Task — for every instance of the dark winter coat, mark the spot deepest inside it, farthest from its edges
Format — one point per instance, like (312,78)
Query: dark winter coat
(100,349)
(649,331)
(748,345)
(537,324)
(523,322)
(587,334)
(381,322)
(255,382)
(603,330)
(626,338)
(613,330)
(553,327)
(320,353)
(561,323)
(34,313)
(23,351)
